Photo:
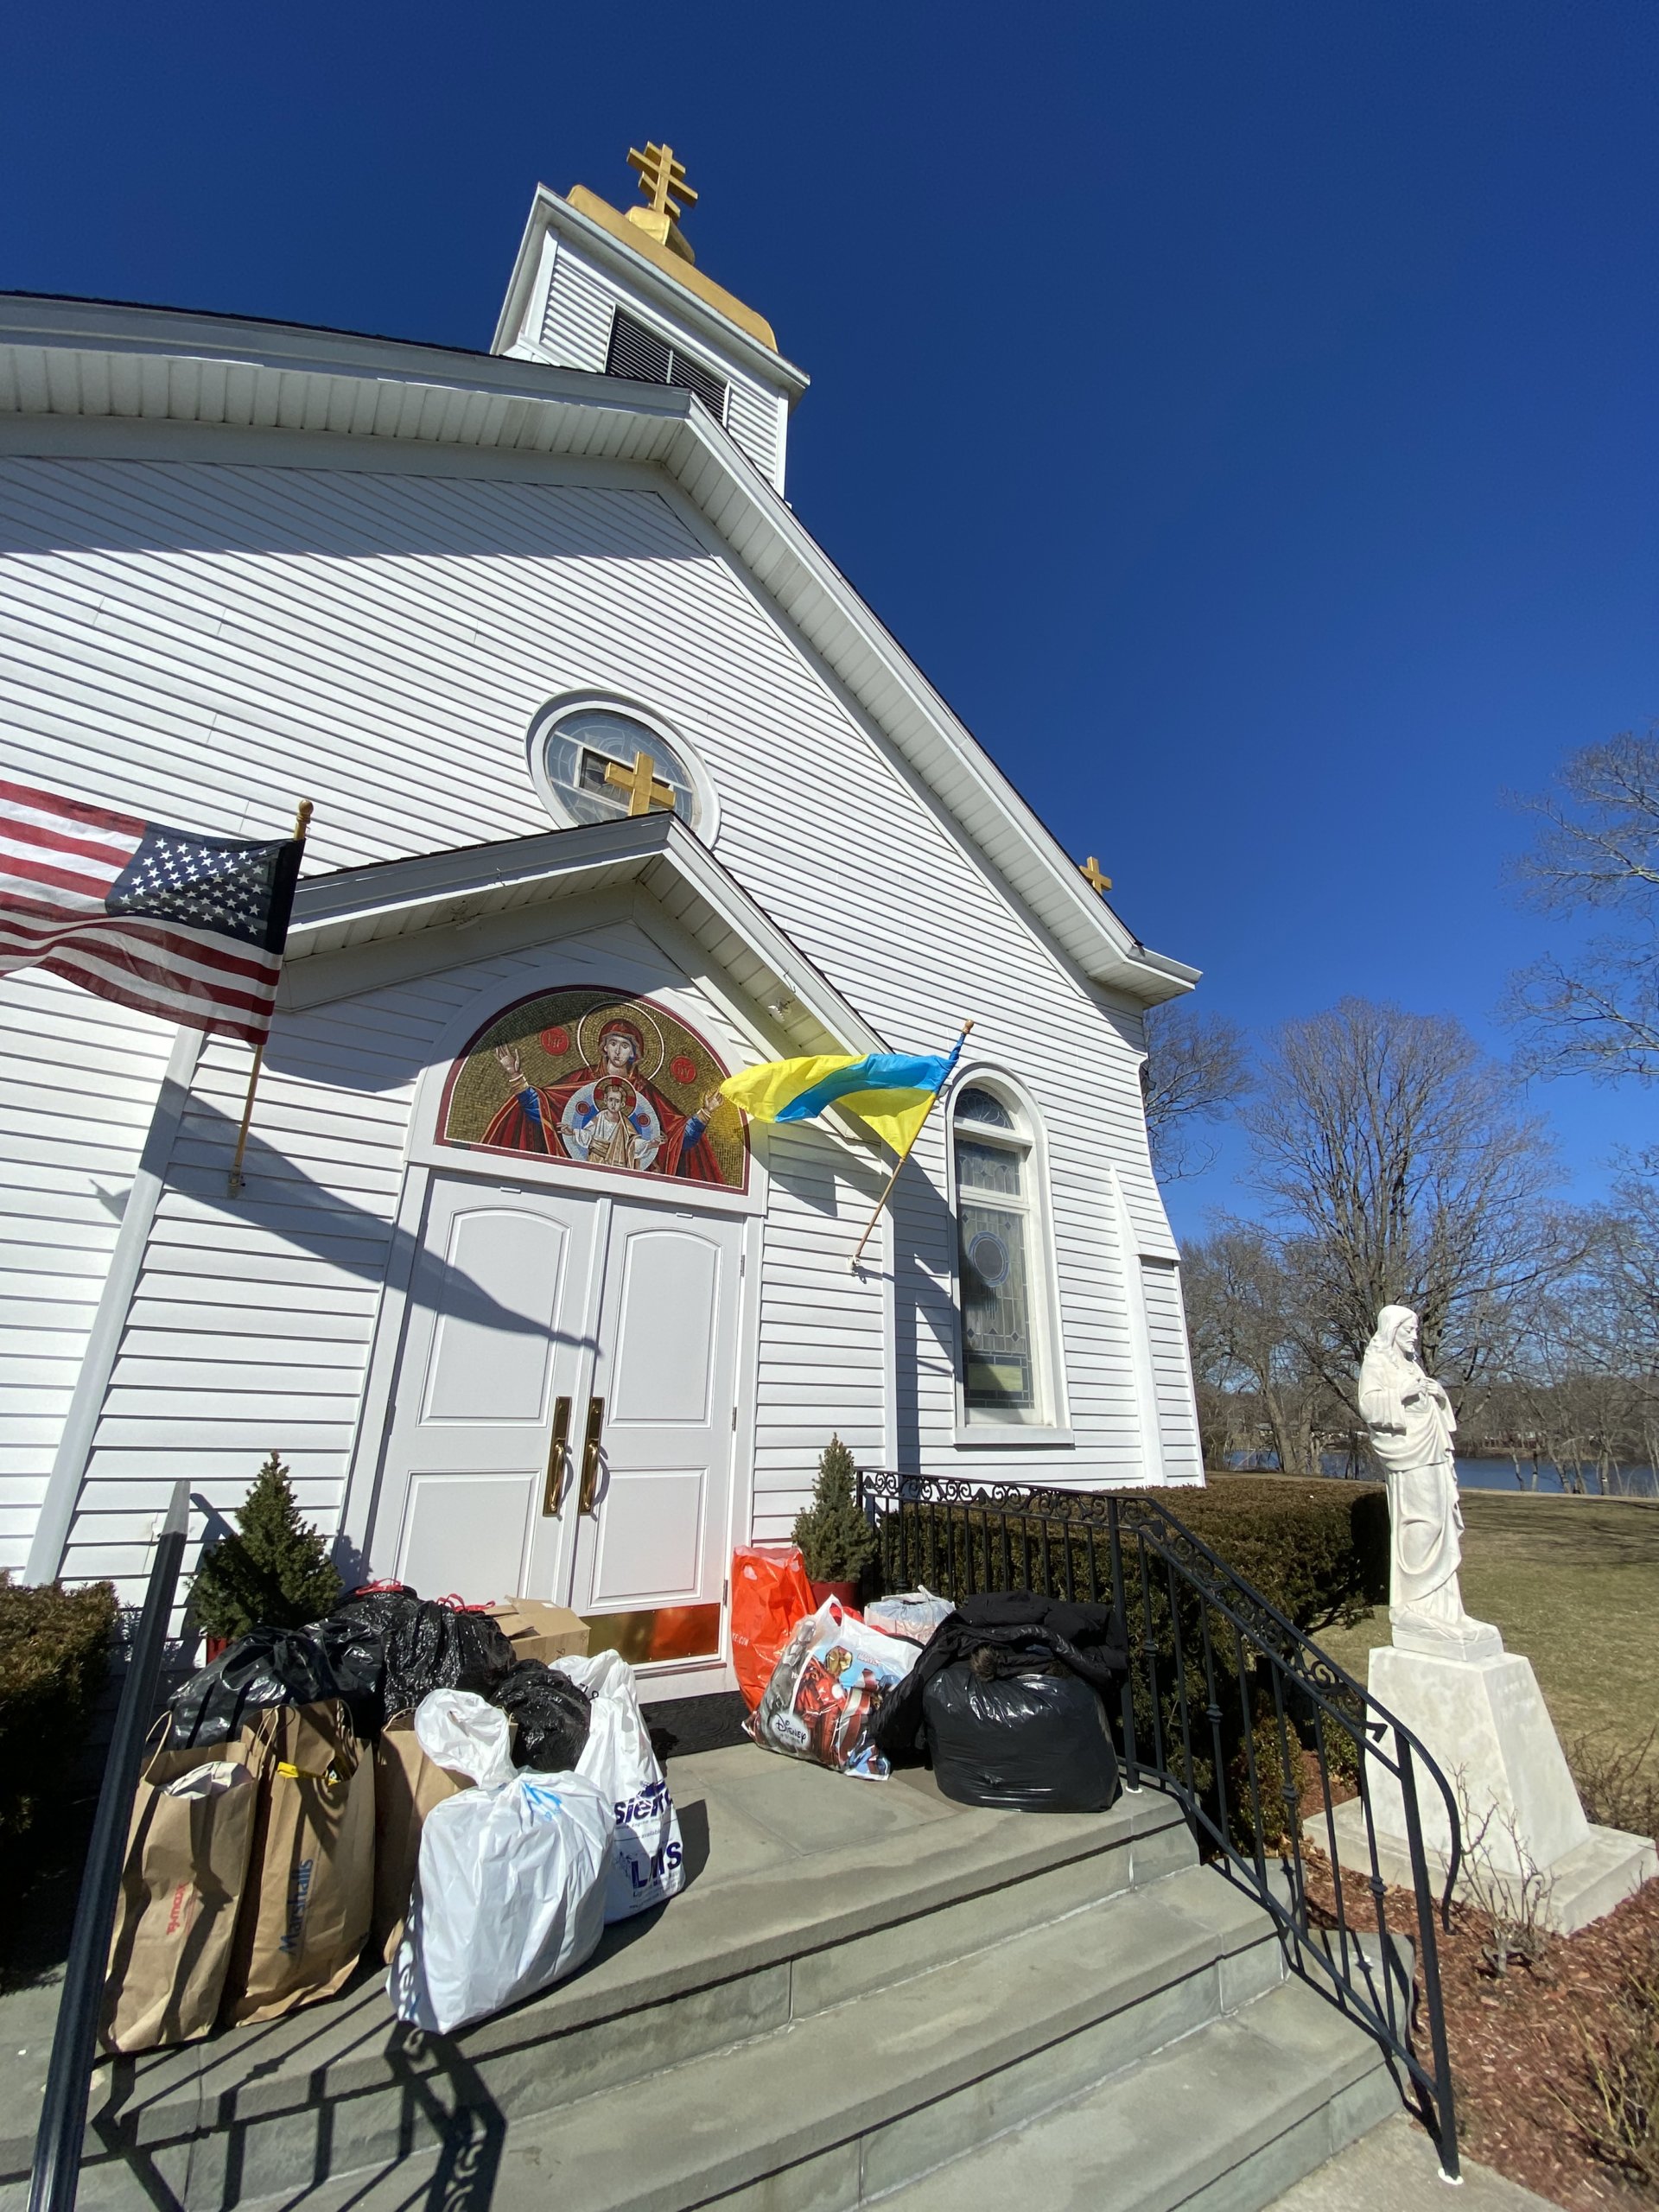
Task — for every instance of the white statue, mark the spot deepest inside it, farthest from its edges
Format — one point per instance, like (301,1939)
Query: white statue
(1411,1424)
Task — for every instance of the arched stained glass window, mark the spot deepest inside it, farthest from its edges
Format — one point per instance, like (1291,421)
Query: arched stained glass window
(1003,1262)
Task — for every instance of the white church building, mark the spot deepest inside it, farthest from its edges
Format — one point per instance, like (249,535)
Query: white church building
(619,787)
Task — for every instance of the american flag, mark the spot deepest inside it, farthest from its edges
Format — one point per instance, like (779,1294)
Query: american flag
(190,928)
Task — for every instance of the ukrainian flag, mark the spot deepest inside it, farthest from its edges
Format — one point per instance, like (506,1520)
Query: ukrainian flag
(890,1092)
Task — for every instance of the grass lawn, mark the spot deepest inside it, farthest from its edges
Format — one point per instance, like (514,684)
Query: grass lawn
(1573,1583)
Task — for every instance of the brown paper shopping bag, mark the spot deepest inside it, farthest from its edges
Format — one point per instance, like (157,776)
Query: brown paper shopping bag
(310,1886)
(187,1847)
(407,1785)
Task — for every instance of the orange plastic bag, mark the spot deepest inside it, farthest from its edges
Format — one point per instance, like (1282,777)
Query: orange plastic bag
(770,1593)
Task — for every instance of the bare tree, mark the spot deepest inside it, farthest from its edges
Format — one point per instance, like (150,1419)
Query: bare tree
(1197,1069)
(1596,1011)
(1398,1168)
(1247,1354)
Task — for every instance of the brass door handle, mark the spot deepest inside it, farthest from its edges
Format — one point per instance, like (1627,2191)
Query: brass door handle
(588,1501)
(554,1486)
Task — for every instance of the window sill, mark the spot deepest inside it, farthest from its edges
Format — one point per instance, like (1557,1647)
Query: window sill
(1000,1438)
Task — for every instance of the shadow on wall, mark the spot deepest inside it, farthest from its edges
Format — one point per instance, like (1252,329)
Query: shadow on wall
(290,1206)
(925,1321)
(227,508)
(821,1177)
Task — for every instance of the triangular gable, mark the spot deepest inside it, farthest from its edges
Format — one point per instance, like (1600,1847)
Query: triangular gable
(126,365)
(357,929)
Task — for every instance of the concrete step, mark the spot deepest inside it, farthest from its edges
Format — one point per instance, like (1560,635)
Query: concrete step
(808,1892)
(853,2100)
(1226,2120)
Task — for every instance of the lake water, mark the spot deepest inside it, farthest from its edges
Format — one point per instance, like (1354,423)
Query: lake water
(1499,1474)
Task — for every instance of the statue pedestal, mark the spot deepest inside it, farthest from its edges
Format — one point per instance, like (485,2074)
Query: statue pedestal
(1487,1717)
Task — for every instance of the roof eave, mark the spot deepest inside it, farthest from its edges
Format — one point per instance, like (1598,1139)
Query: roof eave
(348,908)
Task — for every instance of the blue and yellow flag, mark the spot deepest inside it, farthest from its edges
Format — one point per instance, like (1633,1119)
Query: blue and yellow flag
(891,1091)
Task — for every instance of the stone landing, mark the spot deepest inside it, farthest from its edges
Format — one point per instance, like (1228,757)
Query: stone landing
(864,1991)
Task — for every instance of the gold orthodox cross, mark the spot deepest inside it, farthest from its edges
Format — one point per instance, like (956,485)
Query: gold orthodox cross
(1093,878)
(644,786)
(662,178)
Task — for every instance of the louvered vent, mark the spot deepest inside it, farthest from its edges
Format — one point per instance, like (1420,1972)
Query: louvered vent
(691,376)
(640,354)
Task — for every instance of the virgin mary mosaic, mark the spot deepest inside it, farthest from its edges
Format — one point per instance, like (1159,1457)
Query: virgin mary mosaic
(601,1078)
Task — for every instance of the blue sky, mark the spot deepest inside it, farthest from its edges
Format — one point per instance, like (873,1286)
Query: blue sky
(1245,414)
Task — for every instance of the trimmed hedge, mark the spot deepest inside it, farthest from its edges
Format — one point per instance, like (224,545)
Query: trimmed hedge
(1318,1549)
(1315,1548)
(55,1655)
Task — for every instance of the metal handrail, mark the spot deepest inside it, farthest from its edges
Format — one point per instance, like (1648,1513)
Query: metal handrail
(1132,1552)
(56,2174)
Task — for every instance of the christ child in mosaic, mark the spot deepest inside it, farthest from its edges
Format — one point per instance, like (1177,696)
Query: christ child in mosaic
(562,1117)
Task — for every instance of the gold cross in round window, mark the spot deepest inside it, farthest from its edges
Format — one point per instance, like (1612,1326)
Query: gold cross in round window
(601,763)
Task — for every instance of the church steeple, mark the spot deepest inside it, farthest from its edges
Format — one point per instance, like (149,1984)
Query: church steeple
(620,294)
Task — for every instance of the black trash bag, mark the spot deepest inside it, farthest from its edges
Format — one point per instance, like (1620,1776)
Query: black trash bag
(357,1659)
(428,1646)
(553,1714)
(1032,1740)
(267,1667)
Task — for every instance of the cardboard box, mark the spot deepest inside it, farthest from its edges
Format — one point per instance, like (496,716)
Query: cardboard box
(540,1632)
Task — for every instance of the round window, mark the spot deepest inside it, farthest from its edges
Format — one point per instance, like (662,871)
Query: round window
(596,764)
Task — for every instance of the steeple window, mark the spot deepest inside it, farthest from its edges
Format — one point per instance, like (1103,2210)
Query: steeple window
(637,350)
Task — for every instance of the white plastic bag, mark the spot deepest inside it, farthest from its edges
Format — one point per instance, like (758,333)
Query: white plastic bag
(458,1729)
(510,1899)
(914,1614)
(647,1858)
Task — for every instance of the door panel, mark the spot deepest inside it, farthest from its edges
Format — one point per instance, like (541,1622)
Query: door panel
(650,1543)
(664,1343)
(493,1345)
(651,1556)
(499,1326)
(466,1533)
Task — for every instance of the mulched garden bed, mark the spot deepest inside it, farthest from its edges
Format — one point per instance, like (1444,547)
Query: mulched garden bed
(1517,2043)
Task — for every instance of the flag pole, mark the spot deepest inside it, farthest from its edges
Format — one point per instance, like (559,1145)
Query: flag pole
(301,823)
(869,1226)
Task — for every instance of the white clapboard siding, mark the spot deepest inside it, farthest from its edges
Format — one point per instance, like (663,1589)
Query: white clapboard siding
(576,322)
(382,644)
(80,1078)
(1171,1371)
(757,420)
(822,1364)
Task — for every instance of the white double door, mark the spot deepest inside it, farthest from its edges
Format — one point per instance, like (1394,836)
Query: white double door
(563,1416)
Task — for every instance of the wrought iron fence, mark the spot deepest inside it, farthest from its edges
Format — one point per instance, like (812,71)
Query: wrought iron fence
(56,2172)
(1230,1707)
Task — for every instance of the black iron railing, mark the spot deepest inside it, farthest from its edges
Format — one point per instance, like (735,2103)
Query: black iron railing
(1229,1705)
(56,2171)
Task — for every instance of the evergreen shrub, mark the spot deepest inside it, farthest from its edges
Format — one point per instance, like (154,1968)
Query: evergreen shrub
(54,1655)
(273,1572)
(837,1543)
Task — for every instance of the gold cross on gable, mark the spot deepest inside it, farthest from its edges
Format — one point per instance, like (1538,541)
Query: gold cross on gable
(1090,870)
(644,786)
(662,178)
